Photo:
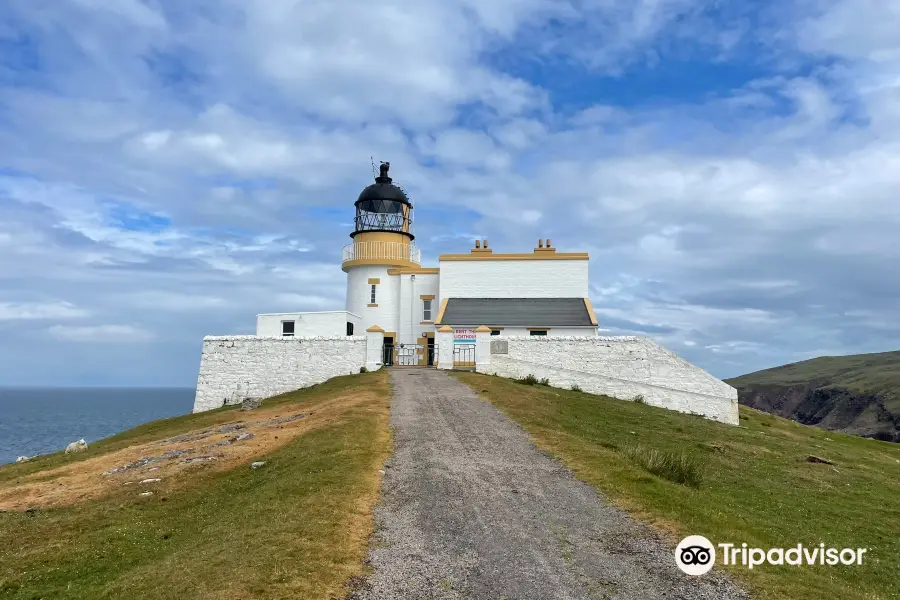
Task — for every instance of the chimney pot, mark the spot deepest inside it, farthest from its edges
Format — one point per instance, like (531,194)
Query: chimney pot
(477,243)
(548,244)
(540,243)
(485,243)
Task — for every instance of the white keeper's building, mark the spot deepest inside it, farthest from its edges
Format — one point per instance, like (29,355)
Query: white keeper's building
(544,292)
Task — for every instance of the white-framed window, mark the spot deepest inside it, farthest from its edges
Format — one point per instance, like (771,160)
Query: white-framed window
(538,332)
(287,328)
(372,295)
(426,310)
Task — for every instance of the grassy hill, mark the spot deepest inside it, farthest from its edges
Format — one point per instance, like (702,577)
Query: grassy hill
(751,484)
(298,526)
(199,522)
(858,394)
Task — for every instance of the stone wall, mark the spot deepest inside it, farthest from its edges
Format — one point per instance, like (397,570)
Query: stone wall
(622,367)
(233,367)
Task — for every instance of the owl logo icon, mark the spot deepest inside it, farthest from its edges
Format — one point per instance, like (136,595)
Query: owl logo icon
(695,555)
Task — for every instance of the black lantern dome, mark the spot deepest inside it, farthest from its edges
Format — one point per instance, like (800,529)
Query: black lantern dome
(383,206)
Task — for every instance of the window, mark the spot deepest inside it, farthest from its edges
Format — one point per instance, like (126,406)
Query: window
(287,328)
(426,312)
(538,332)
(495,332)
(349,328)
(372,296)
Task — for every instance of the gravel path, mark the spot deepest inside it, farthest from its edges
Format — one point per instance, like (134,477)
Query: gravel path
(471,509)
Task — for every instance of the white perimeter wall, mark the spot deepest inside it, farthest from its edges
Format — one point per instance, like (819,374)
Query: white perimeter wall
(331,323)
(621,367)
(514,279)
(234,367)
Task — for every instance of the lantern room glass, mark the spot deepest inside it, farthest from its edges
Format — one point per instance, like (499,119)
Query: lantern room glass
(382,215)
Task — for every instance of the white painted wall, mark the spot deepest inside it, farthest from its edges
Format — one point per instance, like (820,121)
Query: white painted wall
(621,367)
(514,279)
(326,323)
(374,350)
(412,287)
(387,314)
(444,340)
(232,367)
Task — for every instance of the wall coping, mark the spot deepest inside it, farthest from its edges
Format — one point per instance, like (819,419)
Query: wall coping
(487,369)
(574,338)
(311,312)
(267,338)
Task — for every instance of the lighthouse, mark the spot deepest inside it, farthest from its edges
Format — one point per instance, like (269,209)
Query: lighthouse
(398,313)
(542,292)
(383,241)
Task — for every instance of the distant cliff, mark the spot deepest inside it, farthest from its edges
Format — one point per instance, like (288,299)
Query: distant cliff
(857,394)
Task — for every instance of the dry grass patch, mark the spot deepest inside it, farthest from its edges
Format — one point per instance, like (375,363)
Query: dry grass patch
(178,459)
(296,528)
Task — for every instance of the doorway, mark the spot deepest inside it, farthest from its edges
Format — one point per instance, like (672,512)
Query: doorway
(428,355)
(387,352)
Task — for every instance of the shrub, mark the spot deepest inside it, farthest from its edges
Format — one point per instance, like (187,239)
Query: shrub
(363,369)
(545,382)
(679,467)
(639,399)
(528,380)
(575,388)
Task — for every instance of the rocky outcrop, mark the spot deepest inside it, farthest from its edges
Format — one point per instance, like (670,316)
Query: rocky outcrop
(826,406)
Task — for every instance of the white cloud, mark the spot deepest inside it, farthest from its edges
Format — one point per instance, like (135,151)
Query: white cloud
(247,129)
(158,300)
(119,334)
(40,311)
(414,61)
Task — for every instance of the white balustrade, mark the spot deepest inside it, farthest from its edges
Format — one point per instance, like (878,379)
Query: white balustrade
(381,251)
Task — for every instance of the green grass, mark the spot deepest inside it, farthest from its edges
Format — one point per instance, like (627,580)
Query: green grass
(678,467)
(757,486)
(296,528)
(877,373)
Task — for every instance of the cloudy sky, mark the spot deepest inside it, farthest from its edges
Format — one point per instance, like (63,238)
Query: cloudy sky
(171,168)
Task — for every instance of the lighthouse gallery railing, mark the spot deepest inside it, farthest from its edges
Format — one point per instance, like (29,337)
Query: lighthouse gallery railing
(380,251)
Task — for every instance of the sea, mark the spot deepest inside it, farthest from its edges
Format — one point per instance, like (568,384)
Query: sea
(43,420)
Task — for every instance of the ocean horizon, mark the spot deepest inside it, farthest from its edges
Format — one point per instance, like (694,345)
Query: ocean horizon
(42,420)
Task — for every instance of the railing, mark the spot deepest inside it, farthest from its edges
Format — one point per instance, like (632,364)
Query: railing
(463,355)
(382,251)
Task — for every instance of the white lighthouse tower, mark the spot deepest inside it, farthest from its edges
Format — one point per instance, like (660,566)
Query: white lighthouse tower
(382,240)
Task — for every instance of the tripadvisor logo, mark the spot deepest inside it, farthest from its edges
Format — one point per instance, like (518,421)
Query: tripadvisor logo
(696,555)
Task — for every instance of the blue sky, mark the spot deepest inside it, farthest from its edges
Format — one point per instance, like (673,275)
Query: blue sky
(170,169)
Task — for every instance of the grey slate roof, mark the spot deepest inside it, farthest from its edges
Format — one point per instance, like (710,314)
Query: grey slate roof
(517,312)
